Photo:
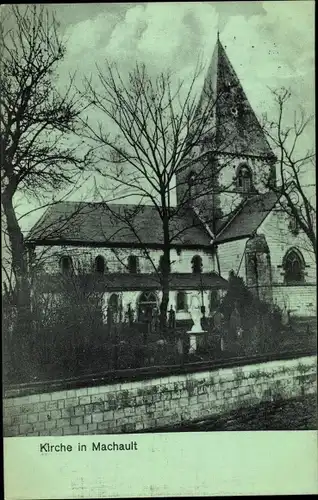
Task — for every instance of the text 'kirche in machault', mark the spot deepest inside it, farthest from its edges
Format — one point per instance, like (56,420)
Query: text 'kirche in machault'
(94,446)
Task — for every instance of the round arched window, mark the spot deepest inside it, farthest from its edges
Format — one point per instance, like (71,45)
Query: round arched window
(66,264)
(182,301)
(244,180)
(100,264)
(132,264)
(196,264)
(147,306)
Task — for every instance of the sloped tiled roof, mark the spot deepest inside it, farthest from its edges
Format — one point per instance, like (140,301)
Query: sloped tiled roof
(237,128)
(116,224)
(248,218)
(127,281)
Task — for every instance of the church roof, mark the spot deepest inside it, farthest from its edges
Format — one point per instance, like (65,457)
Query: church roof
(114,224)
(237,129)
(247,220)
(127,281)
(133,225)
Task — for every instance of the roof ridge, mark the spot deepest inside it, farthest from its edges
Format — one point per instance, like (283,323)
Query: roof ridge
(204,224)
(237,212)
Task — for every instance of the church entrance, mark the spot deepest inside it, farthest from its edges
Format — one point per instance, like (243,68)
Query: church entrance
(147,307)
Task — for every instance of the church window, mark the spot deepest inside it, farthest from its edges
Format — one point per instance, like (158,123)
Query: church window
(293,265)
(113,311)
(100,264)
(66,264)
(133,264)
(147,307)
(272,176)
(294,226)
(196,264)
(181,301)
(244,179)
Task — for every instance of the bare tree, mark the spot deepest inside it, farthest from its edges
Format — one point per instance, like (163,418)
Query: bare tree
(293,164)
(158,131)
(39,123)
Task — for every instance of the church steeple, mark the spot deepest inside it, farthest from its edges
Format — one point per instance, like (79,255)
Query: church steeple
(237,128)
(233,154)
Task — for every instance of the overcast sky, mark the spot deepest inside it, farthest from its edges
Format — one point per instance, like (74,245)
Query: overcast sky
(270,44)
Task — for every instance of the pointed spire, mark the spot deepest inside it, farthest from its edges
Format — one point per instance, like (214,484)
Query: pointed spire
(238,129)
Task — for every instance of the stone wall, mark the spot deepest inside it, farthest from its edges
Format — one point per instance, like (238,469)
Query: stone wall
(116,259)
(231,257)
(280,239)
(157,402)
(300,299)
(230,198)
(214,191)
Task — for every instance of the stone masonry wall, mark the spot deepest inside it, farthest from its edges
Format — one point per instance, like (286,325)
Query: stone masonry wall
(116,259)
(158,402)
(299,299)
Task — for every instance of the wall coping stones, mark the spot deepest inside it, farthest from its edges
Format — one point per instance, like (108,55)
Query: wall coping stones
(101,383)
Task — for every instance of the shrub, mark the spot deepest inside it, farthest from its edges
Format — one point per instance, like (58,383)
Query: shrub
(261,322)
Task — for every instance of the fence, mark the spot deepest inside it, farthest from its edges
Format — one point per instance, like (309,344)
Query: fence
(79,345)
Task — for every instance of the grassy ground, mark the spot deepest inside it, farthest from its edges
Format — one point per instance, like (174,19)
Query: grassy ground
(295,414)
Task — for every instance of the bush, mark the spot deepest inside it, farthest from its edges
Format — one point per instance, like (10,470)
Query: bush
(261,322)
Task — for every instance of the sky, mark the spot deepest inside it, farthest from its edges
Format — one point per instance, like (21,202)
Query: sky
(270,44)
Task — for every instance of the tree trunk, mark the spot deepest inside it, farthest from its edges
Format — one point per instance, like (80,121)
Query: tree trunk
(21,345)
(164,302)
(19,261)
(165,277)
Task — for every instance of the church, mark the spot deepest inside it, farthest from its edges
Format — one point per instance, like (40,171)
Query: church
(238,227)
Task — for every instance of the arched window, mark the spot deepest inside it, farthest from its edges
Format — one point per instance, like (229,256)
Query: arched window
(100,264)
(182,301)
(147,306)
(66,264)
(113,309)
(294,218)
(244,180)
(133,264)
(113,301)
(196,263)
(293,265)
(293,225)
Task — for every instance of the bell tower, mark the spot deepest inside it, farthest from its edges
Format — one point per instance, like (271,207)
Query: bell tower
(234,157)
